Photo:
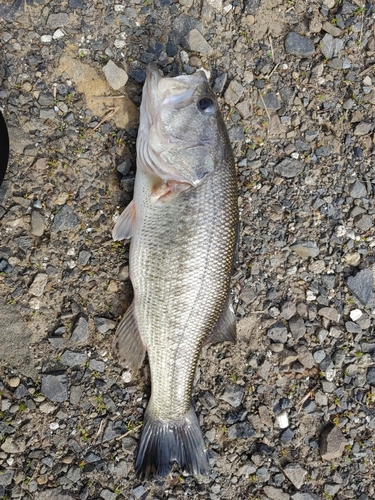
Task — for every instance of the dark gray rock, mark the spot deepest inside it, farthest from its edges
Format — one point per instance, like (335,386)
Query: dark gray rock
(233,395)
(97,365)
(362,286)
(73,358)
(84,257)
(287,436)
(289,168)
(352,327)
(64,220)
(80,330)
(6,477)
(55,386)
(251,6)
(278,333)
(139,75)
(241,430)
(305,496)
(220,82)
(370,376)
(271,101)
(298,45)
(75,4)
(139,491)
(332,442)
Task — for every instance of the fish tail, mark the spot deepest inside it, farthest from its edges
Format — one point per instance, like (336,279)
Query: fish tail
(163,442)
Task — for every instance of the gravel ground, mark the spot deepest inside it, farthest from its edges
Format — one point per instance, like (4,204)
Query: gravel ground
(289,411)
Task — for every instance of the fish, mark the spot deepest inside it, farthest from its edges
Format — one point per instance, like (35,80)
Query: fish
(183,227)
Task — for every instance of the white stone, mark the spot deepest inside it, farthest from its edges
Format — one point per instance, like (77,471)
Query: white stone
(116,76)
(54,425)
(355,314)
(184,56)
(119,44)
(46,38)
(282,420)
(126,377)
(58,34)
(367,81)
(119,8)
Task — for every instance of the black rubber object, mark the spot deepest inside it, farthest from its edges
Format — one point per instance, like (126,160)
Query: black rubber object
(4,148)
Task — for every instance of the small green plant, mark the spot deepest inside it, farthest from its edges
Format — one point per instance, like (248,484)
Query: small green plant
(22,407)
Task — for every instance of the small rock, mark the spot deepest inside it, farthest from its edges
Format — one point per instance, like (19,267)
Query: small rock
(104,324)
(108,495)
(363,221)
(6,478)
(370,376)
(233,395)
(363,128)
(289,168)
(10,445)
(298,45)
(55,386)
(297,327)
(37,223)
(305,249)
(357,189)
(38,285)
(275,493)
(332,442)
(73,358)
(305,357)
(362,286)
(139,491)
(57,20)
(282,420)
(329,313)
(331,29)
(240,430)
(355,314)
(287,436)
(353,259)
(195,41)
(220,82)
(296,474)
(97,365)
(288,310)
(80,331)
(264,369)
(64,220)
(278,333)
(116,77)
(14,382)
(331,46)
(352,327)
(233,93)
(270,101)
(305,496)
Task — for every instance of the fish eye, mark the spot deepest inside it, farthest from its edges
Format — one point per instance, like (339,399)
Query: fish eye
(206,105)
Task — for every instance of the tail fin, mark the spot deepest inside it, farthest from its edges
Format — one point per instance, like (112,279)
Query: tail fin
(163,442)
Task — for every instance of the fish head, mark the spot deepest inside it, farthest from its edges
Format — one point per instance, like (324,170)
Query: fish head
(182,137)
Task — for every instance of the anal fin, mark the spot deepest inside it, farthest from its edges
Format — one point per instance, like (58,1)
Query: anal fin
(225,328)
(123,229)
(127,344)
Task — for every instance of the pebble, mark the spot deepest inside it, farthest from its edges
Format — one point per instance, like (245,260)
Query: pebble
(116,77)
(233,395)
(97,365)
(298,45)
(220,82)
(73,358)
(287,436)
(331,46)
(14,382)
(139,491)
(282,420)
(58,35)
(270,101)
(264,370)
(362,286)
(329,313)
(64,220)
(46,38)
(353,259)
(6,478)
(305,496)
(13,446)
(104,324)
(370,376)
(296,474)
(37,223)
(58,20)
(55,386)
(80,330)
(305,357)
(275,493)
(297,327)
(332,442)
(289,168)
(278,333)
(38,285)
(108,494)
(357,189)
(352,327)
(233,93)
(363,222)
(196,42)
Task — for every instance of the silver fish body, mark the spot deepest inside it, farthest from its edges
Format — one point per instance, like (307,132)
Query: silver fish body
(183,223)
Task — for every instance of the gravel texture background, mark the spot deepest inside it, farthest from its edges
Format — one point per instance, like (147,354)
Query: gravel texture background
(289,411)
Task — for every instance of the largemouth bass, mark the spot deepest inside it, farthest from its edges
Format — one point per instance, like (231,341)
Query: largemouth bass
(183,226)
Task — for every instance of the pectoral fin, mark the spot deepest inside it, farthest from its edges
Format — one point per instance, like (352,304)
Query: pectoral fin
(123,229)
(225,328)
(127,344)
